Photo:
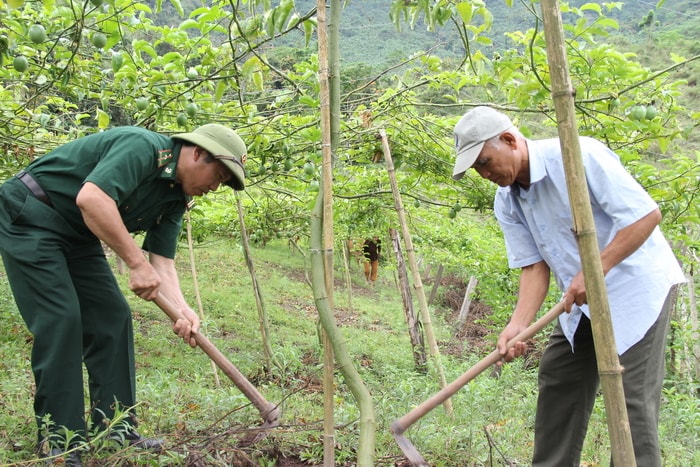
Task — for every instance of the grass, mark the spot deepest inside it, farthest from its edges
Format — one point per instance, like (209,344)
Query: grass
(203,424)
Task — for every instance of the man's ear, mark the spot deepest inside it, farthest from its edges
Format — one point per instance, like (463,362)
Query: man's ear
(510,139)
(196,152)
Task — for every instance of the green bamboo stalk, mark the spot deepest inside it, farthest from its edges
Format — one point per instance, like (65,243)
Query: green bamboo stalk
(365,450)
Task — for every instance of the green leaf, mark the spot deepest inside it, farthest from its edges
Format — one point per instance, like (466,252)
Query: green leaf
(144,46)
(465,11)
(309,101)
(249,66)
(102,119)
(178,7)
(220,90)
(309,26)
(591,6)
(189,24)
(258,80)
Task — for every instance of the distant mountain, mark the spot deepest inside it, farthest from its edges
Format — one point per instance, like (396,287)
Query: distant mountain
(368,36)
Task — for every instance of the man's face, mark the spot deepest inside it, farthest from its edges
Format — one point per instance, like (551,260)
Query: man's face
(198,175)
(497,163)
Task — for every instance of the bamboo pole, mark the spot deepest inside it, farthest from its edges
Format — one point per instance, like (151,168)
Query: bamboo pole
(414,328)
(346,273)
(195,283)
(322,285)
(366,443)
(259,302)
(327,242)
(433,349)
(609,367)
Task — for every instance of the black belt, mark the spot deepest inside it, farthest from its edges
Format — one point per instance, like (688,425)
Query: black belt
(34,187)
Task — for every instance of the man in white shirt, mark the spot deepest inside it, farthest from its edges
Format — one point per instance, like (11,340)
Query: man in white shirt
(532,207)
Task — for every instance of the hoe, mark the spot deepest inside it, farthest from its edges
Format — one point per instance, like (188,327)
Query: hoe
(269,412)
(398,427)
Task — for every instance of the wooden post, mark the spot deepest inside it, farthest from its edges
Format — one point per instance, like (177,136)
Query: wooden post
(609,367)
(417,282)
(436,284)
(414,327)
(346,269)
(466,303)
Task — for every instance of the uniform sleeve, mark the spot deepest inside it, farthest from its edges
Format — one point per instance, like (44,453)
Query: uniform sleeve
(162,238)
(612,188)
(521,247)
(126,162)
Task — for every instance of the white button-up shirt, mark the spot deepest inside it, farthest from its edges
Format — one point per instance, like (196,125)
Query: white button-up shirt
(537,225)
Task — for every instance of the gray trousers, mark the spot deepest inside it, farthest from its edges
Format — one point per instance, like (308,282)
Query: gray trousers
(568,383)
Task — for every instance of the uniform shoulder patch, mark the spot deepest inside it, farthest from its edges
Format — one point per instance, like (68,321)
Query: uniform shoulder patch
(165,156)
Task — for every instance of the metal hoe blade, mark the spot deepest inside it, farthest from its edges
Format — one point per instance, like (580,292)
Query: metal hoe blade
(399,426)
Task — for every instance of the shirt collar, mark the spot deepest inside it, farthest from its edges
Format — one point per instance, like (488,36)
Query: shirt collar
(537,167)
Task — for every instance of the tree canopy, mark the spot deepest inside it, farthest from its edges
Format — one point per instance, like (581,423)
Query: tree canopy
(72,68)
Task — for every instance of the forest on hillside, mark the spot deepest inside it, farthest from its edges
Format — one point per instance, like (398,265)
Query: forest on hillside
(370,35)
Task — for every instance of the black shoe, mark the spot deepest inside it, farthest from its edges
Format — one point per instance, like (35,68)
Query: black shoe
(133,438)
(56,457)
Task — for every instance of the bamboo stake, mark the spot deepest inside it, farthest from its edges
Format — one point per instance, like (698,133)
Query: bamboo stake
(327,242)
(346,273)
(413,324)
(365,446)
(259,302)
(195,283)
(609,367)
(434,351)
(322,219)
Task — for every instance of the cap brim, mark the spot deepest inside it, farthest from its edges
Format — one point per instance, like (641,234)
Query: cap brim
(238,174)
(237,181)
(465,159)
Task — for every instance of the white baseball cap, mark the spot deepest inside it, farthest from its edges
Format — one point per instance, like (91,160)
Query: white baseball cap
(472,131)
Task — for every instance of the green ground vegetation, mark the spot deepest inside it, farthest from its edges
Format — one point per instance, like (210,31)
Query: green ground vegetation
(204,423)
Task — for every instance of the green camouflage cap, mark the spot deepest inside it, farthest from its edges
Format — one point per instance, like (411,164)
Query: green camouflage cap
(223,144)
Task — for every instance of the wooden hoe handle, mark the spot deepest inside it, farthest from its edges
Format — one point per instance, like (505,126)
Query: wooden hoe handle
(268,411)
(398,427)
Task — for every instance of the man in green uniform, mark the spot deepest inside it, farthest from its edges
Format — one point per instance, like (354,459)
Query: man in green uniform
(53,217)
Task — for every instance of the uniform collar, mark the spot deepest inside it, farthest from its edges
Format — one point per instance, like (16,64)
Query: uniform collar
(167,163)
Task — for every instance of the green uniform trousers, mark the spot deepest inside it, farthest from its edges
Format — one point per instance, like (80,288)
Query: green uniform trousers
(568,384)
(72,305)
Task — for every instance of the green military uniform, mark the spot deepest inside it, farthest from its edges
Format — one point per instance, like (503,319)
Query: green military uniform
(62,283)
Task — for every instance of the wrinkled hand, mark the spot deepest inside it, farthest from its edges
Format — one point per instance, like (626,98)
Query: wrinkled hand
(520,348)
(144,281)
(576,293)
(188,327)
